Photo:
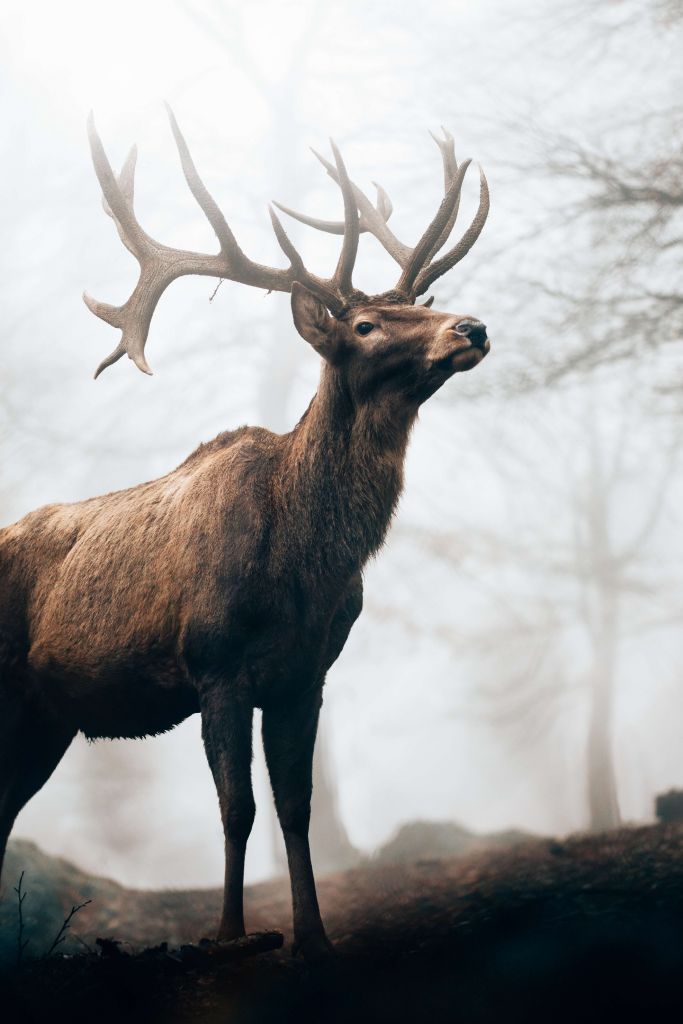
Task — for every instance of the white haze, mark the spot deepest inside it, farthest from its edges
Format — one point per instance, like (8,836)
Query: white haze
(254,85)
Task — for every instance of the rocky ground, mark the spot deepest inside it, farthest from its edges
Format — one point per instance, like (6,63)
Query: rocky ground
(590,928)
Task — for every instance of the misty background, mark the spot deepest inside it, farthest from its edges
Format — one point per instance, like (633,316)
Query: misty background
(518,661)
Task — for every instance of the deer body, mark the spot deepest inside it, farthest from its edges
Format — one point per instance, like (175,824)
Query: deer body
(232,582)
(266,536)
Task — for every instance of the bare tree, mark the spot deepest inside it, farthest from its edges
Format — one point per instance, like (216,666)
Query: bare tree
(575,576)
(620,222)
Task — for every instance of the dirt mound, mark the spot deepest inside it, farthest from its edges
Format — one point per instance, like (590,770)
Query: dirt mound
(52,886)
(424,840)
(143,918)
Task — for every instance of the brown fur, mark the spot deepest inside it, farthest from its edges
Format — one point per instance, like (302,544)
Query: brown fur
(231,583)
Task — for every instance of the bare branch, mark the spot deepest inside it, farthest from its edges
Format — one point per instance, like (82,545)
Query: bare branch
(66,924)
(22,943)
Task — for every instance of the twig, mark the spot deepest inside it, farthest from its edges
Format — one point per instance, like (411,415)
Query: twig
(22,943)
(213,293)
(84,944)
(66,924)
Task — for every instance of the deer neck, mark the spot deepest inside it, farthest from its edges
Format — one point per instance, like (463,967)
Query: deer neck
(344,476)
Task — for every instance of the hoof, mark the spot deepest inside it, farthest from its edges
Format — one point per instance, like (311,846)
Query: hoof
(315,950)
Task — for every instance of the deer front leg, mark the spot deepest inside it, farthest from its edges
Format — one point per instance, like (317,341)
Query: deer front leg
(226,730)
(31,747)
(288,740)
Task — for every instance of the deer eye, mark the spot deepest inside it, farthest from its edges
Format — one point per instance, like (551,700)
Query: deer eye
(364,327)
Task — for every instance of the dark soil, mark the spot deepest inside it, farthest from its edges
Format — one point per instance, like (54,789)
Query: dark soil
(588,929)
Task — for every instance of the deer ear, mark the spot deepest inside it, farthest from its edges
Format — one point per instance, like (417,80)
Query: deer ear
(313,322)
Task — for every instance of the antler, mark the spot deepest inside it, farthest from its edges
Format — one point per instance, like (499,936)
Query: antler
(418,270)
(160,264)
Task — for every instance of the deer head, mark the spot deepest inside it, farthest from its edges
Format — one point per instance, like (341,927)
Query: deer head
(382,342)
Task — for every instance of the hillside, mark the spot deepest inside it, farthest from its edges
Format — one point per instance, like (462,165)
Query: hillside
(589,928)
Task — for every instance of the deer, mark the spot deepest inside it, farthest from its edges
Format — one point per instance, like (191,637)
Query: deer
(232,583)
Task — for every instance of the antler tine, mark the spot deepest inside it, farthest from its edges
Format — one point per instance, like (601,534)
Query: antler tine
(112,314)
(285,243)
(299,271)
(213,213)
(447,149)
(117,201)
(384,207)
(450,169)
(420,253)
(373,219)
(343,273)
(454,255)
(331,227)
(126,184)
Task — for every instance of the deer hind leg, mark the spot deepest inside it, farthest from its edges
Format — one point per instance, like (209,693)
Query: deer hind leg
(31,747)
(288,739)
(226,730)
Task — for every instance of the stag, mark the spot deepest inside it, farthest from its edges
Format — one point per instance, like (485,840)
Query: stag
(232,582)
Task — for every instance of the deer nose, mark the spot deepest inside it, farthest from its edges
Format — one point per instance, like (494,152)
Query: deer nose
(474,331)
(478,335)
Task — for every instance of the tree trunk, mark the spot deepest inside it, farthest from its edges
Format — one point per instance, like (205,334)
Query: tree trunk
(603,804)
(331,848)
(601,606)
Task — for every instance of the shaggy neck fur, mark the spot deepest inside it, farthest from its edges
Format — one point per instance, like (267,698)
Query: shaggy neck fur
(344,477)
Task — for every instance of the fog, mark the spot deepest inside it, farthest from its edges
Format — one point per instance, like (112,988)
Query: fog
(526,609)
